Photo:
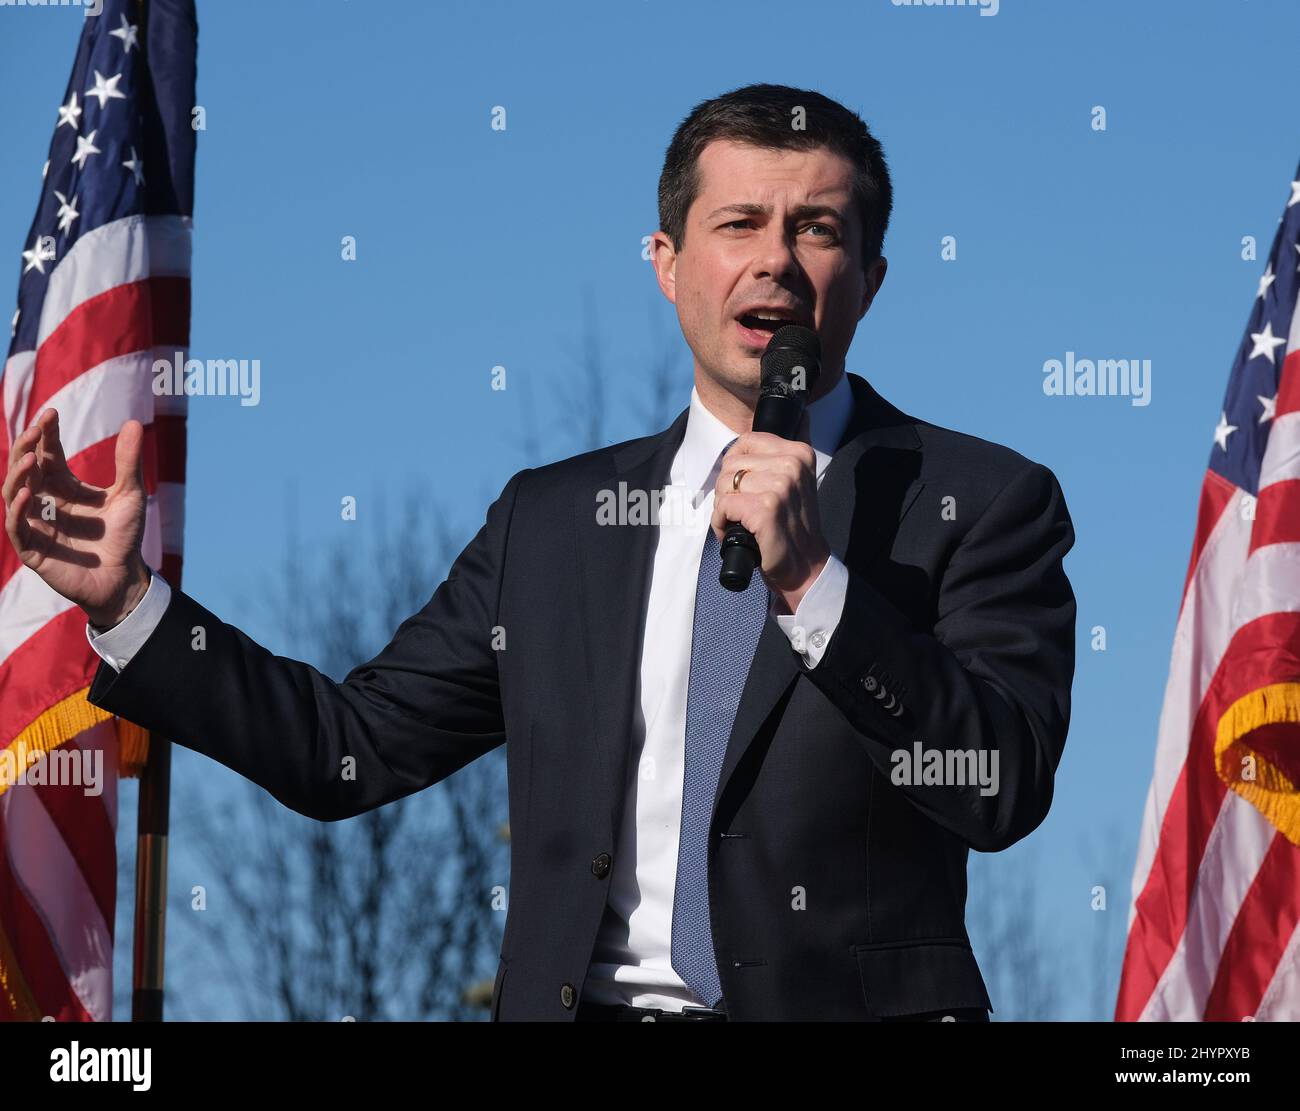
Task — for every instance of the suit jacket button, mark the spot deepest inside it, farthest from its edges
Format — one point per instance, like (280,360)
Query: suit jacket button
(897,711)
(882,694)
(890,703)
(568,996)
(870,682)
(600,866)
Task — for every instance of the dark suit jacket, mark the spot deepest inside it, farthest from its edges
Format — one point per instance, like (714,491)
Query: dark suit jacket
(835,893)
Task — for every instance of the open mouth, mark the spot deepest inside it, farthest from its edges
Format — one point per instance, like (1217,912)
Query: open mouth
(756,330)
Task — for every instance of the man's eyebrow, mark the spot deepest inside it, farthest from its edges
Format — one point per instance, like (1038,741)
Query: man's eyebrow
(799,212)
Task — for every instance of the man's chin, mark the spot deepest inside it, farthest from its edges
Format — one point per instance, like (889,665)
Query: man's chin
(747,363)
(745,382)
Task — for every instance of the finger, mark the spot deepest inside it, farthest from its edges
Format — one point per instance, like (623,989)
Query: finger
(44,460)
(751,509)
(51,518)
(54,463)
(13,519)
(17,527)
(29,533)
(36,476)
(721,513)
(24,442)
(764,472)
(16,477)
(128,457)
(763,445)
(51,446)
(759,443)
(51,468)
(777,481)
(718,520)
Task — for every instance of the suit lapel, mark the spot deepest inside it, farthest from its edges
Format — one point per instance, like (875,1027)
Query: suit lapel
(614,564)
(878,453)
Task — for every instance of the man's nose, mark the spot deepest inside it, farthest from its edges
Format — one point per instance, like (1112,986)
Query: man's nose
(775,257)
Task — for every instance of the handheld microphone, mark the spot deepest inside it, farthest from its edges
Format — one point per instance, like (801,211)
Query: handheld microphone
(789,369)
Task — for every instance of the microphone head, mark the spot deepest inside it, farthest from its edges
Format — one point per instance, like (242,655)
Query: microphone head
(791,349)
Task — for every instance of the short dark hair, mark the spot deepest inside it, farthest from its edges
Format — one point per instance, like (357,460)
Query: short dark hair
(762,115)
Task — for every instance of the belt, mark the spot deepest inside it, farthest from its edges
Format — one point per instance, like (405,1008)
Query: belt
(611,1012)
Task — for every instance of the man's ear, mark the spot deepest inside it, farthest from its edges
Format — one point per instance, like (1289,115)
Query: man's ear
(875,279)
(664,257)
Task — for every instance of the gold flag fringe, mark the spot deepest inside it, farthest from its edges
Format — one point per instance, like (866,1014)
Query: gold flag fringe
(133,749)
(63,721)
(1269,791)
(17,1004)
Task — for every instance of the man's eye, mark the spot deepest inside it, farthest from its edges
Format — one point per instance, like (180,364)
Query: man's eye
(833,235)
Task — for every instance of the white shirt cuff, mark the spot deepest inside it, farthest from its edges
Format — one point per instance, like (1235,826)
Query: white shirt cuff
(117,645)
(811,626)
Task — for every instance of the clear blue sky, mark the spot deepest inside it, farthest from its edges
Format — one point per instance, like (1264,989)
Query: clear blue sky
(476,247)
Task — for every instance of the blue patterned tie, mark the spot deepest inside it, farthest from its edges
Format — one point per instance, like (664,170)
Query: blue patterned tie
(727,628)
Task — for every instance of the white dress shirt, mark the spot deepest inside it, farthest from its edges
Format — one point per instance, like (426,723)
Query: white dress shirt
(632,959)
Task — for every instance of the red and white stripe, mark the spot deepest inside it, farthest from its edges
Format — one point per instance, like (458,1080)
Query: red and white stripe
(116,302)
(1213,927)
(58,888)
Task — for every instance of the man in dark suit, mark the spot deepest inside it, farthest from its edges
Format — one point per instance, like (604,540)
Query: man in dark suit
(750,805)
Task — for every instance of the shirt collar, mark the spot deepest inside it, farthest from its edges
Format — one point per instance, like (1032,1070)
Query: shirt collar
(706,440)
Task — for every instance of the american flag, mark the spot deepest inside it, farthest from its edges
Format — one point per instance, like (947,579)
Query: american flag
(104,291)
(1216,889)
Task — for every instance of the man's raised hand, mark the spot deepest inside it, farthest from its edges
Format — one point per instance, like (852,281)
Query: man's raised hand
(82,540)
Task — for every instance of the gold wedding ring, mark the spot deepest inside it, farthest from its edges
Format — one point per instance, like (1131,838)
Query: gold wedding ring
(735,478)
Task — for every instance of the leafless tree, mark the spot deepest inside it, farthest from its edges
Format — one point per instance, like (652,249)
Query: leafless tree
(584,396)
(393,914)
(1108,898)
(1020,970)
(668,374)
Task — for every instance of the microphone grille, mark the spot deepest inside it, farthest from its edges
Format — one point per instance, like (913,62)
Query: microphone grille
(790,347)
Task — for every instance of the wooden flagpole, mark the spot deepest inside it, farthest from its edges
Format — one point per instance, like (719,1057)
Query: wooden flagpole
(152,825)
(151,882)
